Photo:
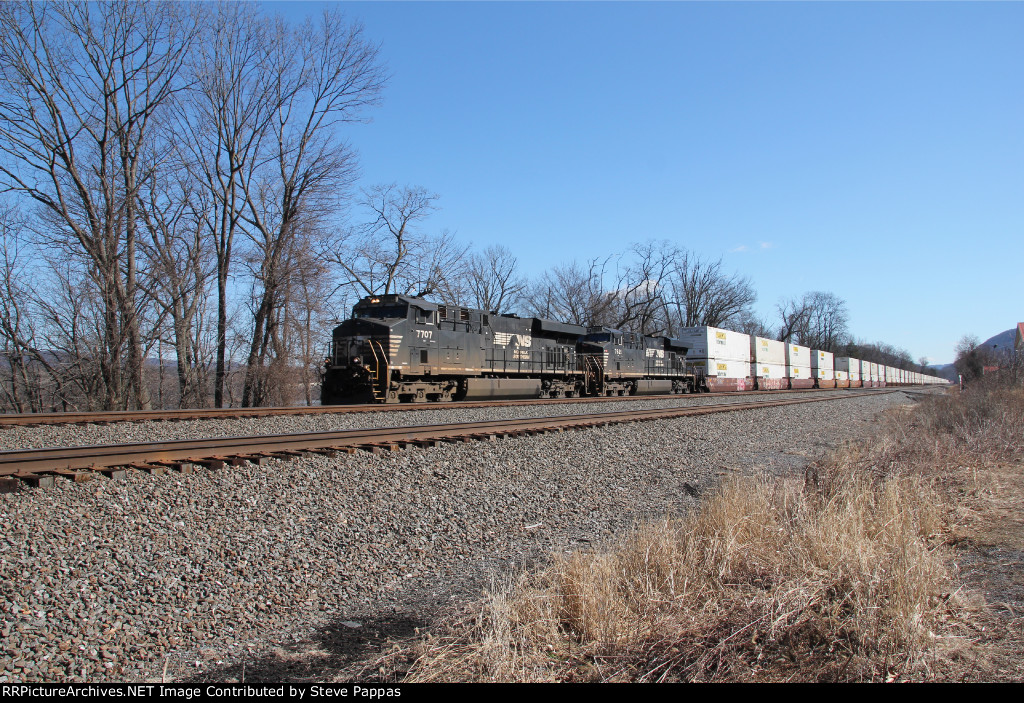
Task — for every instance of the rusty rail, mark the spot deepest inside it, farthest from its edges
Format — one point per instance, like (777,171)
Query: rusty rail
(111,416)
(38,467)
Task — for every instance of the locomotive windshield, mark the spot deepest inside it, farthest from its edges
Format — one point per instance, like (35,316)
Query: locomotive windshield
(603,337)
(382,311)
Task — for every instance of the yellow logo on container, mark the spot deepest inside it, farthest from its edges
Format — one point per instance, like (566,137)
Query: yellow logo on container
(723,367)
(720,335)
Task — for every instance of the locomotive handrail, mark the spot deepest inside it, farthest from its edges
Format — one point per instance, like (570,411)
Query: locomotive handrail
(380,387)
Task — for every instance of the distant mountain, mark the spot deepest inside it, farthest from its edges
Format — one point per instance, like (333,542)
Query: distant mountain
(946,371)
(1002,342)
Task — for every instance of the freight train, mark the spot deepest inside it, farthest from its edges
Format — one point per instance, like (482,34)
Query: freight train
(398,348)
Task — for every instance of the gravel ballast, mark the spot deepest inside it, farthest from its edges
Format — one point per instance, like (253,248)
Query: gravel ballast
(15,438)
(294,568)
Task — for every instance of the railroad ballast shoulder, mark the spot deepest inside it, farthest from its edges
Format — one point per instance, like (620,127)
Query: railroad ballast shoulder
(398,348)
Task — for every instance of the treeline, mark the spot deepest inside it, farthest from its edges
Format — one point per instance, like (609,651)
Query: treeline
(975,361)
(170,170)
(181,224)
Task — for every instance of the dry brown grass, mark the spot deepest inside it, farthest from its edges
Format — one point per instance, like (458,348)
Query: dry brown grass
(841,575)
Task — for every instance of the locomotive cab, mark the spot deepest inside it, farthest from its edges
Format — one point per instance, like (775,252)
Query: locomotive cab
(362,348)
(621,363)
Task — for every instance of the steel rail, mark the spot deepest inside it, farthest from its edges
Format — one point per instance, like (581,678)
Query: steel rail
(72,461)
(111,416)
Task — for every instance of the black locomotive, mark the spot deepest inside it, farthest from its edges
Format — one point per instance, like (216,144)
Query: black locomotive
(403,349)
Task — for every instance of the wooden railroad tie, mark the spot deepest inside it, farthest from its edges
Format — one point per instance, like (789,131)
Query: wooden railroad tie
(36,480)
(290,454)
(212,463)
(8,484)
(151,469)
(184,467)
(420,443)
(75,476)
(379,447)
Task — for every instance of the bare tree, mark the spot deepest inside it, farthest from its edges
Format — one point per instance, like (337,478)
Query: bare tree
(222,125)
(794,317)
(326,74)
(391,253)
(656,288)
(970,358)
(80,84)
(573,293)
(700,293)
(638,303)
(818,320)
(177,271)
(825,325)
(749,323)
(18,390)
(494,281)
(310,319)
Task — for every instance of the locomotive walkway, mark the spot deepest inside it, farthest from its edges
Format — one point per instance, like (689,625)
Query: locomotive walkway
(40,467)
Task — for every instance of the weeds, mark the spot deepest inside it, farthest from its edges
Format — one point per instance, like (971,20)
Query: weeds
(839,576)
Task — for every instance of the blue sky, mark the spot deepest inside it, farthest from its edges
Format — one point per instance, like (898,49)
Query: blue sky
(874,150)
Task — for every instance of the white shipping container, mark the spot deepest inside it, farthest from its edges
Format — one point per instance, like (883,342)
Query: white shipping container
(842,375)
(865,370)
(874,372)
(713,343)
(798,356)
(799,372)
(822,361)
(823,365)
(722,368)
(767,351)
(849,366)
(768,370)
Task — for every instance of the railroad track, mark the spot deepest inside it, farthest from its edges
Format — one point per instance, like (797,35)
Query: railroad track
(111,416)
(41,467)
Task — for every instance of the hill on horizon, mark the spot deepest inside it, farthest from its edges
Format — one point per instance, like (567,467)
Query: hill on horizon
(1001,342)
